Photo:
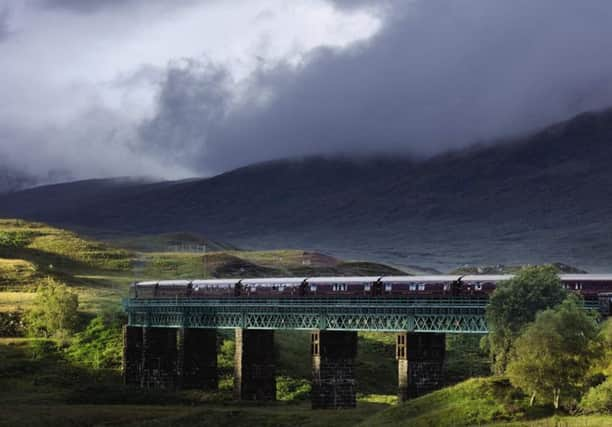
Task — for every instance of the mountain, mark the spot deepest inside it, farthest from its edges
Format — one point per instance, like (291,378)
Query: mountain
(542,198)
(12,180)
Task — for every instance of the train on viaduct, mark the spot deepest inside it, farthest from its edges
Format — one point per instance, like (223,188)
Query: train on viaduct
(171,337)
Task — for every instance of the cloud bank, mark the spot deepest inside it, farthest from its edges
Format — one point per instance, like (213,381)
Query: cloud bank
(415,78)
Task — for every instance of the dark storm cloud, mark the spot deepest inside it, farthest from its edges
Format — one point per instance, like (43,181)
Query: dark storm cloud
(440,75)
(91,6)
(193,100)
(84,6)
(4,24)
(359,4)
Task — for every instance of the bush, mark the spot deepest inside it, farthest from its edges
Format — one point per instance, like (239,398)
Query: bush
(100,344)
(292,388)
(13,239)
(11,324)
(225,359)
(54,311)
(598,399)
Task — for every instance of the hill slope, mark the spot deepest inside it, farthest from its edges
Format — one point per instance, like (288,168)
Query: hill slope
(540,199)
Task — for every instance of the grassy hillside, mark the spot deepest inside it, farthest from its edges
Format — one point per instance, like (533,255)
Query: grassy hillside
(475,402)
(101,271)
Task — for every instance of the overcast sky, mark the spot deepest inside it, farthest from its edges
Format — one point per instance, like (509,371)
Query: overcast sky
(185,87)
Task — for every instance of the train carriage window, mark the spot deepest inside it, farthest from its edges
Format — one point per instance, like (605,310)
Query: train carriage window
(421,286)
(388,287)
(412,287)
(367,287)
(478,286)
(335,287)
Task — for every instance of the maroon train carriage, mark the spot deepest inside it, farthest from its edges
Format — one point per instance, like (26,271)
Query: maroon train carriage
(215,288)
(588,285)
(342,286)
(283,287)
(143,290)
(481,285)
(421,286)
(173,289)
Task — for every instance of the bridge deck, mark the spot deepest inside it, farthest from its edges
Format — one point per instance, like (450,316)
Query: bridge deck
(348,314)
(453,315)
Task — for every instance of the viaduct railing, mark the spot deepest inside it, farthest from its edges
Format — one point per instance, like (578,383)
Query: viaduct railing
(334,314)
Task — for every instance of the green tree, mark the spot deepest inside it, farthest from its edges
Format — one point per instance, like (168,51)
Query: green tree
(552,357)
(514,304)
(54,311)
(605,335)
(101,343)
(598,398)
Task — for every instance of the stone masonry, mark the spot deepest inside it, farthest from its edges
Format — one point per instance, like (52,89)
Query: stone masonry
(254,366)
(132,355)
(197,359)
(159,355)
(420,363)
(333,369)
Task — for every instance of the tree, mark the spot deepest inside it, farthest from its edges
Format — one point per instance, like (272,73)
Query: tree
(552,357)
(55,310)
(101,343)
(514,304)
(605,335)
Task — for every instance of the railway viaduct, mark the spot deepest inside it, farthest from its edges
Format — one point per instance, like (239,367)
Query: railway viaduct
(171,343)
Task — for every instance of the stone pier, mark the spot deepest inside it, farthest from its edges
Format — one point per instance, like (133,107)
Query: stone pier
(420,362)
(197,359)
(132,355)
(159,356)
(333,369)
(254,365)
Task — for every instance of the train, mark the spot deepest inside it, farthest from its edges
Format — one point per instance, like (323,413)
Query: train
(591,286)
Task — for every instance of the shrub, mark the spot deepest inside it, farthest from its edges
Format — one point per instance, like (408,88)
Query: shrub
(13,239)
(292,388)
(100,344)
(11,324)
(54,311)
(598,399)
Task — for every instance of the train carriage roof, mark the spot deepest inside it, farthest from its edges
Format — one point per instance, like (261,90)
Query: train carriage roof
(174,282)
(146,283)
(212,282)
(419,279)
(344,279)
(275,280)
(486,277)
(586,277)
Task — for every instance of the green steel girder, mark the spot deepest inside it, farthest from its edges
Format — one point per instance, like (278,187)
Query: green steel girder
(357,314)
(458,315)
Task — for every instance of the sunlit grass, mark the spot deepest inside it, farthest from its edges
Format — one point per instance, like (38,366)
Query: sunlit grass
(12,301)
